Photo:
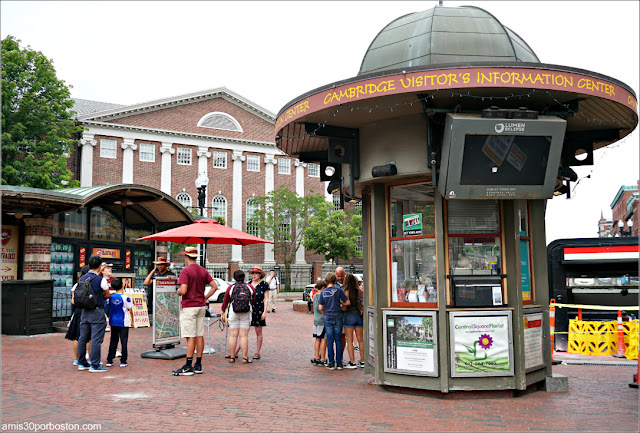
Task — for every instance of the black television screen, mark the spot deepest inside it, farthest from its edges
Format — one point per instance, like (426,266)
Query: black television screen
(504,159)
(489,158)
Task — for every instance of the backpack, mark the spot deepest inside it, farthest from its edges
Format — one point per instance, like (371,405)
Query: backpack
(241,298)
(84,297)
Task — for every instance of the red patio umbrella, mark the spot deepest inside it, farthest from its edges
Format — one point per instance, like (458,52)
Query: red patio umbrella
(206,231)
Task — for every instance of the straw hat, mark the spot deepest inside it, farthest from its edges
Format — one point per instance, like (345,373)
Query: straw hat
(257,269)
(162,261)
(191,252)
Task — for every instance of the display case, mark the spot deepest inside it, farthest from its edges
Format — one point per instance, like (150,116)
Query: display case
(61,269)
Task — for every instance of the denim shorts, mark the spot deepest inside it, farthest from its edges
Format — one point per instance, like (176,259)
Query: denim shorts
(353,321)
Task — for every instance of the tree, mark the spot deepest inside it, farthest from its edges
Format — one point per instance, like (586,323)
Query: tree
(37,124)
(333,233)
(282,217)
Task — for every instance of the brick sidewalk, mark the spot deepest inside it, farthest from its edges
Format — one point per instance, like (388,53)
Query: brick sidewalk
(283,392)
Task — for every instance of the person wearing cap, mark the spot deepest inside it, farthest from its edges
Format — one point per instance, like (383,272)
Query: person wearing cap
(161,270)
(191,286)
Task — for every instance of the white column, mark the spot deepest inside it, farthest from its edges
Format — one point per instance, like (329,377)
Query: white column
(300,260)
(128,147)
(203,162)
(237,203)
(165,175)
(86,164)
(269,185)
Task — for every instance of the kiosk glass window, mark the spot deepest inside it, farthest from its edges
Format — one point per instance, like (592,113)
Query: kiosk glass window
(474,237)
(105,225)
(136,226)
(72,224)
(413,244)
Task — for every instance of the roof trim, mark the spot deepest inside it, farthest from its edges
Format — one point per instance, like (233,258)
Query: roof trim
(621,191)
(121,127)
(158,104)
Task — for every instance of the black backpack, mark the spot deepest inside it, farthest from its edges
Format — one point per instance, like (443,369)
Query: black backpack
(241,298)
(83,296)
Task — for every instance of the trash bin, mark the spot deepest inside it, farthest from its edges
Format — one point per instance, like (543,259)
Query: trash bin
(27,307)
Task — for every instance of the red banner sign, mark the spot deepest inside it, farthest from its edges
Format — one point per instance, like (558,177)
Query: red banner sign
(107,253)
(82,257)
(127,259)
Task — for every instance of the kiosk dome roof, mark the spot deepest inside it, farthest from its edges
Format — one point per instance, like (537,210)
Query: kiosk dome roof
(444,35)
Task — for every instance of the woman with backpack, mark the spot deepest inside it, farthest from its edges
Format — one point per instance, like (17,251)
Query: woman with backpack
(237,303)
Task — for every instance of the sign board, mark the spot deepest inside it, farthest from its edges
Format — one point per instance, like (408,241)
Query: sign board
(410,342)
(166,307)
(525,273)
(533,341)
(412,224)
(106,253)
(140,313)
(372,345)
(481,343)
(9,252)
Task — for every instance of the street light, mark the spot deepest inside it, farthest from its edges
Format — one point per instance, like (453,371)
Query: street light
(201,185)
(621,229)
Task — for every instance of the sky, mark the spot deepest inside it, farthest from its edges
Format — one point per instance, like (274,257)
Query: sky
(272,52)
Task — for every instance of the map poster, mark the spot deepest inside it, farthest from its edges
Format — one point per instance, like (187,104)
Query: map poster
(140,313)
(481,343)
(533,342)
(410,342)
(166,307)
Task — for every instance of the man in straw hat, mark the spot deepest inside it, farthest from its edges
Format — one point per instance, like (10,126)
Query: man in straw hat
(161,270)
(191,285)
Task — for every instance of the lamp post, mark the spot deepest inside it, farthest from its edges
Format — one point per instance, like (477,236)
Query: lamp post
(201,185)
(621,229)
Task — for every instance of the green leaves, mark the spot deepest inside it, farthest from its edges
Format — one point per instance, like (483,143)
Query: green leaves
(333,233)
(37,126)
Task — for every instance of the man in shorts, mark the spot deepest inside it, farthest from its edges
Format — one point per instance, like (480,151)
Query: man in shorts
(191,285)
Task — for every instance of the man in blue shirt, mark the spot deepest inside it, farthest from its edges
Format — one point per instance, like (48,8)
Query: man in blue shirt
(332,298)
(93,323)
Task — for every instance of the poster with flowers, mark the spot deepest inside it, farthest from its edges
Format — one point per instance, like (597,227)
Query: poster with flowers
(481,343)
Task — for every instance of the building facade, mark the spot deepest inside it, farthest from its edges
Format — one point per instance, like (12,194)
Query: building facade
(216,135)
(624,209)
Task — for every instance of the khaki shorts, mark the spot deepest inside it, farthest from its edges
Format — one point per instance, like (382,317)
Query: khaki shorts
(192,321)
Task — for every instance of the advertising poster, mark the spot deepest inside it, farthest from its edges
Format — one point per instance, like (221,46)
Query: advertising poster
(524,270)
(372,345)
(533,341)
(481,343)
(166,307)
(9,252)
(140,313)
(410,342)
(412,224)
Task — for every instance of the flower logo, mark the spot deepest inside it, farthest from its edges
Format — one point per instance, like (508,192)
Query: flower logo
(485,341)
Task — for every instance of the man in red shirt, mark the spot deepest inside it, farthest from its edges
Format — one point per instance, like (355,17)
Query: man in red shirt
(191,282)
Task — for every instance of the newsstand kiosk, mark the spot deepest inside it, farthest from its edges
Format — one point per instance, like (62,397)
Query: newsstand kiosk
(453,164)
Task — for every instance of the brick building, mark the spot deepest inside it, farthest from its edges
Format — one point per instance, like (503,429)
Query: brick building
(168,143)
(624,208)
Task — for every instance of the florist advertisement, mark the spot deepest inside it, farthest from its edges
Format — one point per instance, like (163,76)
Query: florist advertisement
(481,344)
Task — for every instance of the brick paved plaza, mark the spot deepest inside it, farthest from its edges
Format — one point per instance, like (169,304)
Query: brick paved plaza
(284,392)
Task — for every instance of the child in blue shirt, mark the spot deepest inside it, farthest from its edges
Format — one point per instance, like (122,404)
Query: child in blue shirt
(120,321)
(330,303)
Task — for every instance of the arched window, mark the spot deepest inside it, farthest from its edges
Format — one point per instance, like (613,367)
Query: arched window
(219,207)
(218,120)
(253,226)
(184,199)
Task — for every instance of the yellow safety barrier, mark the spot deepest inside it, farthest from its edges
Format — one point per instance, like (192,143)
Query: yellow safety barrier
(601,338)
(631,339)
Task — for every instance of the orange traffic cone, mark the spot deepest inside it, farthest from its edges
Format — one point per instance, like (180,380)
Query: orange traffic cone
(552,325)
(621,346)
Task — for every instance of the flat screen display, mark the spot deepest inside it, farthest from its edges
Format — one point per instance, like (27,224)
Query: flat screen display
(504,159)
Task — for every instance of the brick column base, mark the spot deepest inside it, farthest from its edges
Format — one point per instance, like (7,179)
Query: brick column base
(37,248)
(233,266)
